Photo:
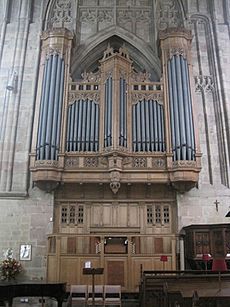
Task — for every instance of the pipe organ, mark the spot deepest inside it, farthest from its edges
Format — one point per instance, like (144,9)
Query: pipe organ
(181,118)
(116,113)
(49,128)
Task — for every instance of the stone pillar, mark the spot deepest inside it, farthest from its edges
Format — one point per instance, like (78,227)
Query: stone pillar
(12,97)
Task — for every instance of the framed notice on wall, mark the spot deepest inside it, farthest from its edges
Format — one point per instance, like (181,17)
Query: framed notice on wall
(25,251)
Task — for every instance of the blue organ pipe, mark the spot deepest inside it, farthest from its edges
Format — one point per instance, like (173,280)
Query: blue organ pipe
(60,102)
(106,113)
(134,126)
(175,110)
(83,125)
(156,139)
(88,121)
(79,127)
(173,137)
(45,110)
(124,117)
(72,123)
(159,126)
(180,107)
(190,112)
(186,110)
(92,127)
(68,130)
(163,129)
(55,111)
(125,114)
(121,126)
(76,105)
(151,125)
(143,139)
(50,108)
(110,112)
(97,128)
(147,125)
(44,84)
(138,120)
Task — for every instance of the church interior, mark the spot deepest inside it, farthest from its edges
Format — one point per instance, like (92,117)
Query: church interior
(115,152)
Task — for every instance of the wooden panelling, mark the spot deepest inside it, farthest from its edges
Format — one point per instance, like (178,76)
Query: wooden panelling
(158,245)
(71,245)
(69,270)
(116,272)
(52,269)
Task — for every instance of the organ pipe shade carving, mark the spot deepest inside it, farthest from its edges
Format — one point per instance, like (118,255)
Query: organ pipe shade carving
(148,126)
(108,112)
(181,118)
(123,114)
(83,126)
(49,127)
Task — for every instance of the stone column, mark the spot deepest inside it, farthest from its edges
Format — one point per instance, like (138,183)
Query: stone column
(12,98)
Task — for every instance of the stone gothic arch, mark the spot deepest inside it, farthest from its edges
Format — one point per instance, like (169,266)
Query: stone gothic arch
(85,56)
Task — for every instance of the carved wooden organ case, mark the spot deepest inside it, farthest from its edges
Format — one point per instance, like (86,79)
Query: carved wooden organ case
(115,125)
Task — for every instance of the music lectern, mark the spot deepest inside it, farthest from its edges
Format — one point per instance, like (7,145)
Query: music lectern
(93,272)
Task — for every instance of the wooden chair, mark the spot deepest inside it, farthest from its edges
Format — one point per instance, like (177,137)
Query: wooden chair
(98,295)
(112,295)
(78,295)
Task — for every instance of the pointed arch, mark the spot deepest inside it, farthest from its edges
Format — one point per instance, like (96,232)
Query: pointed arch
(92,51)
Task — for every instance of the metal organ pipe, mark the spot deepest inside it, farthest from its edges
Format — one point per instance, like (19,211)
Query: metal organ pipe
(175,109)
(68,144)
(61,91)
(159,124)
(138,129)
(50,109)
(92,128)
(45,110)
(83,132)
(97,128)
(82,127)
(173,137)
(134,137)
(148,126)
(79,126)
(152,138)
(181,107)
(122,118)
(156,139)
(55,111)
(74,141)
(190,112)
(108,113)
(142,105)
(44,84)
(186,111)
(182,130)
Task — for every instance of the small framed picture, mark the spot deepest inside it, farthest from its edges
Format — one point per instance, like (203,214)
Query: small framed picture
(25,251)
